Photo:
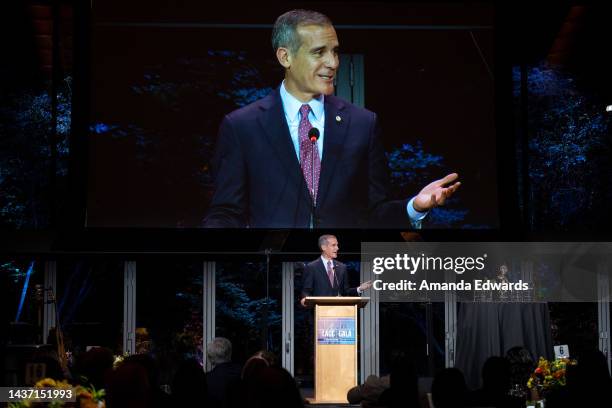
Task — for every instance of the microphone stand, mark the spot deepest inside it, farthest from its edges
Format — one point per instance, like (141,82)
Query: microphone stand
(314,204)
(265,335)
(336,279)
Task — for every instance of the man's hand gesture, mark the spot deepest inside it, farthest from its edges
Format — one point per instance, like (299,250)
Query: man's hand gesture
(435,193)
(365,286)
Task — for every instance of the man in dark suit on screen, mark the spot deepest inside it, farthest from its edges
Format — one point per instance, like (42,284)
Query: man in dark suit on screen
(272,170)
(327,277)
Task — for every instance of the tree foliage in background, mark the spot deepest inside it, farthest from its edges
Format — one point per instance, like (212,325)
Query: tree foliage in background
(569,151)
(240,305)
(26,162)
(174,95)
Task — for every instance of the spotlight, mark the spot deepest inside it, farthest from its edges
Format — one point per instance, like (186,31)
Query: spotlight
(609,108)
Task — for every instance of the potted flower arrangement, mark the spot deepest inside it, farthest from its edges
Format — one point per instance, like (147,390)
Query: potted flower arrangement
(548,375)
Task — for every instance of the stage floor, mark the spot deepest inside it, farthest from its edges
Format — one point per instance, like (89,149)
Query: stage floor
(308,394)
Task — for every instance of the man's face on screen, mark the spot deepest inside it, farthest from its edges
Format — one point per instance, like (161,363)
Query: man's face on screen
(330,248)
(313,67)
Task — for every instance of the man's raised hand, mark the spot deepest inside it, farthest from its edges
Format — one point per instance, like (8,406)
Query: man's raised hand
(365,286)
(435,193)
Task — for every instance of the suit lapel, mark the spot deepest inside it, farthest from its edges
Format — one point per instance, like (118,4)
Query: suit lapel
(272,120)
(323,272)
(335,134)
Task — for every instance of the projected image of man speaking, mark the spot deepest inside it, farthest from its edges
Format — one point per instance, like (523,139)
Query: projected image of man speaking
(303,158)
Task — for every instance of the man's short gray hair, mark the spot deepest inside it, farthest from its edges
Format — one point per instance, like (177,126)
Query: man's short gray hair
(219,351)
(284,33)
(323,240)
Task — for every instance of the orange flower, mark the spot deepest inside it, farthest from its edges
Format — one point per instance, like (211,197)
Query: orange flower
(88,404)
(85,395)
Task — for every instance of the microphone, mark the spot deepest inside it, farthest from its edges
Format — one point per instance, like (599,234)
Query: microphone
(336,278)
(313,135)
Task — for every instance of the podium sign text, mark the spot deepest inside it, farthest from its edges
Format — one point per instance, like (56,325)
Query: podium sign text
(336,330)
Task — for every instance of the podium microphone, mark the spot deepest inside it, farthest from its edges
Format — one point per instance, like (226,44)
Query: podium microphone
(313,135)
(336,279)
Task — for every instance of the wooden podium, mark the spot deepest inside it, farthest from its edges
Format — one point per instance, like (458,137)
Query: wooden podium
(335,339)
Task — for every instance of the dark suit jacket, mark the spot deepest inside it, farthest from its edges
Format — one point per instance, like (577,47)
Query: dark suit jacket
(220,382)
(259,182)
(316,282)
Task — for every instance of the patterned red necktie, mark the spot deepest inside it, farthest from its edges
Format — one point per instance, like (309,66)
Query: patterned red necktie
(330,273)
(307,149)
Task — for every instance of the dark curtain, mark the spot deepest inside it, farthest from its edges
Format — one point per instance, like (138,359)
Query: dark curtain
(491,329)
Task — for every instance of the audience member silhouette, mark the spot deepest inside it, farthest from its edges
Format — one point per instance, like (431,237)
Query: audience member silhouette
(369,394)
(129,387)
(189,385)
(496,386)
(449,389)
(274,387)
(403,388)
(158,397)
(93,367)
(588,383)
(225,374)
(269,356)
(240,393)
(252,367)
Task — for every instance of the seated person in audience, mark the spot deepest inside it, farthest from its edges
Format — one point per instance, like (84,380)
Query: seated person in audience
(158,397)
(403,388)
(449,390)
(93,366)
(496,386)
(274,387)
(588,383)
(239,393)
(368,393)
(225,374)
(189,385)
(128,387)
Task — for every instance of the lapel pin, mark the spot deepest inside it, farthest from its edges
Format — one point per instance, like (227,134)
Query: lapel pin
(338,119)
